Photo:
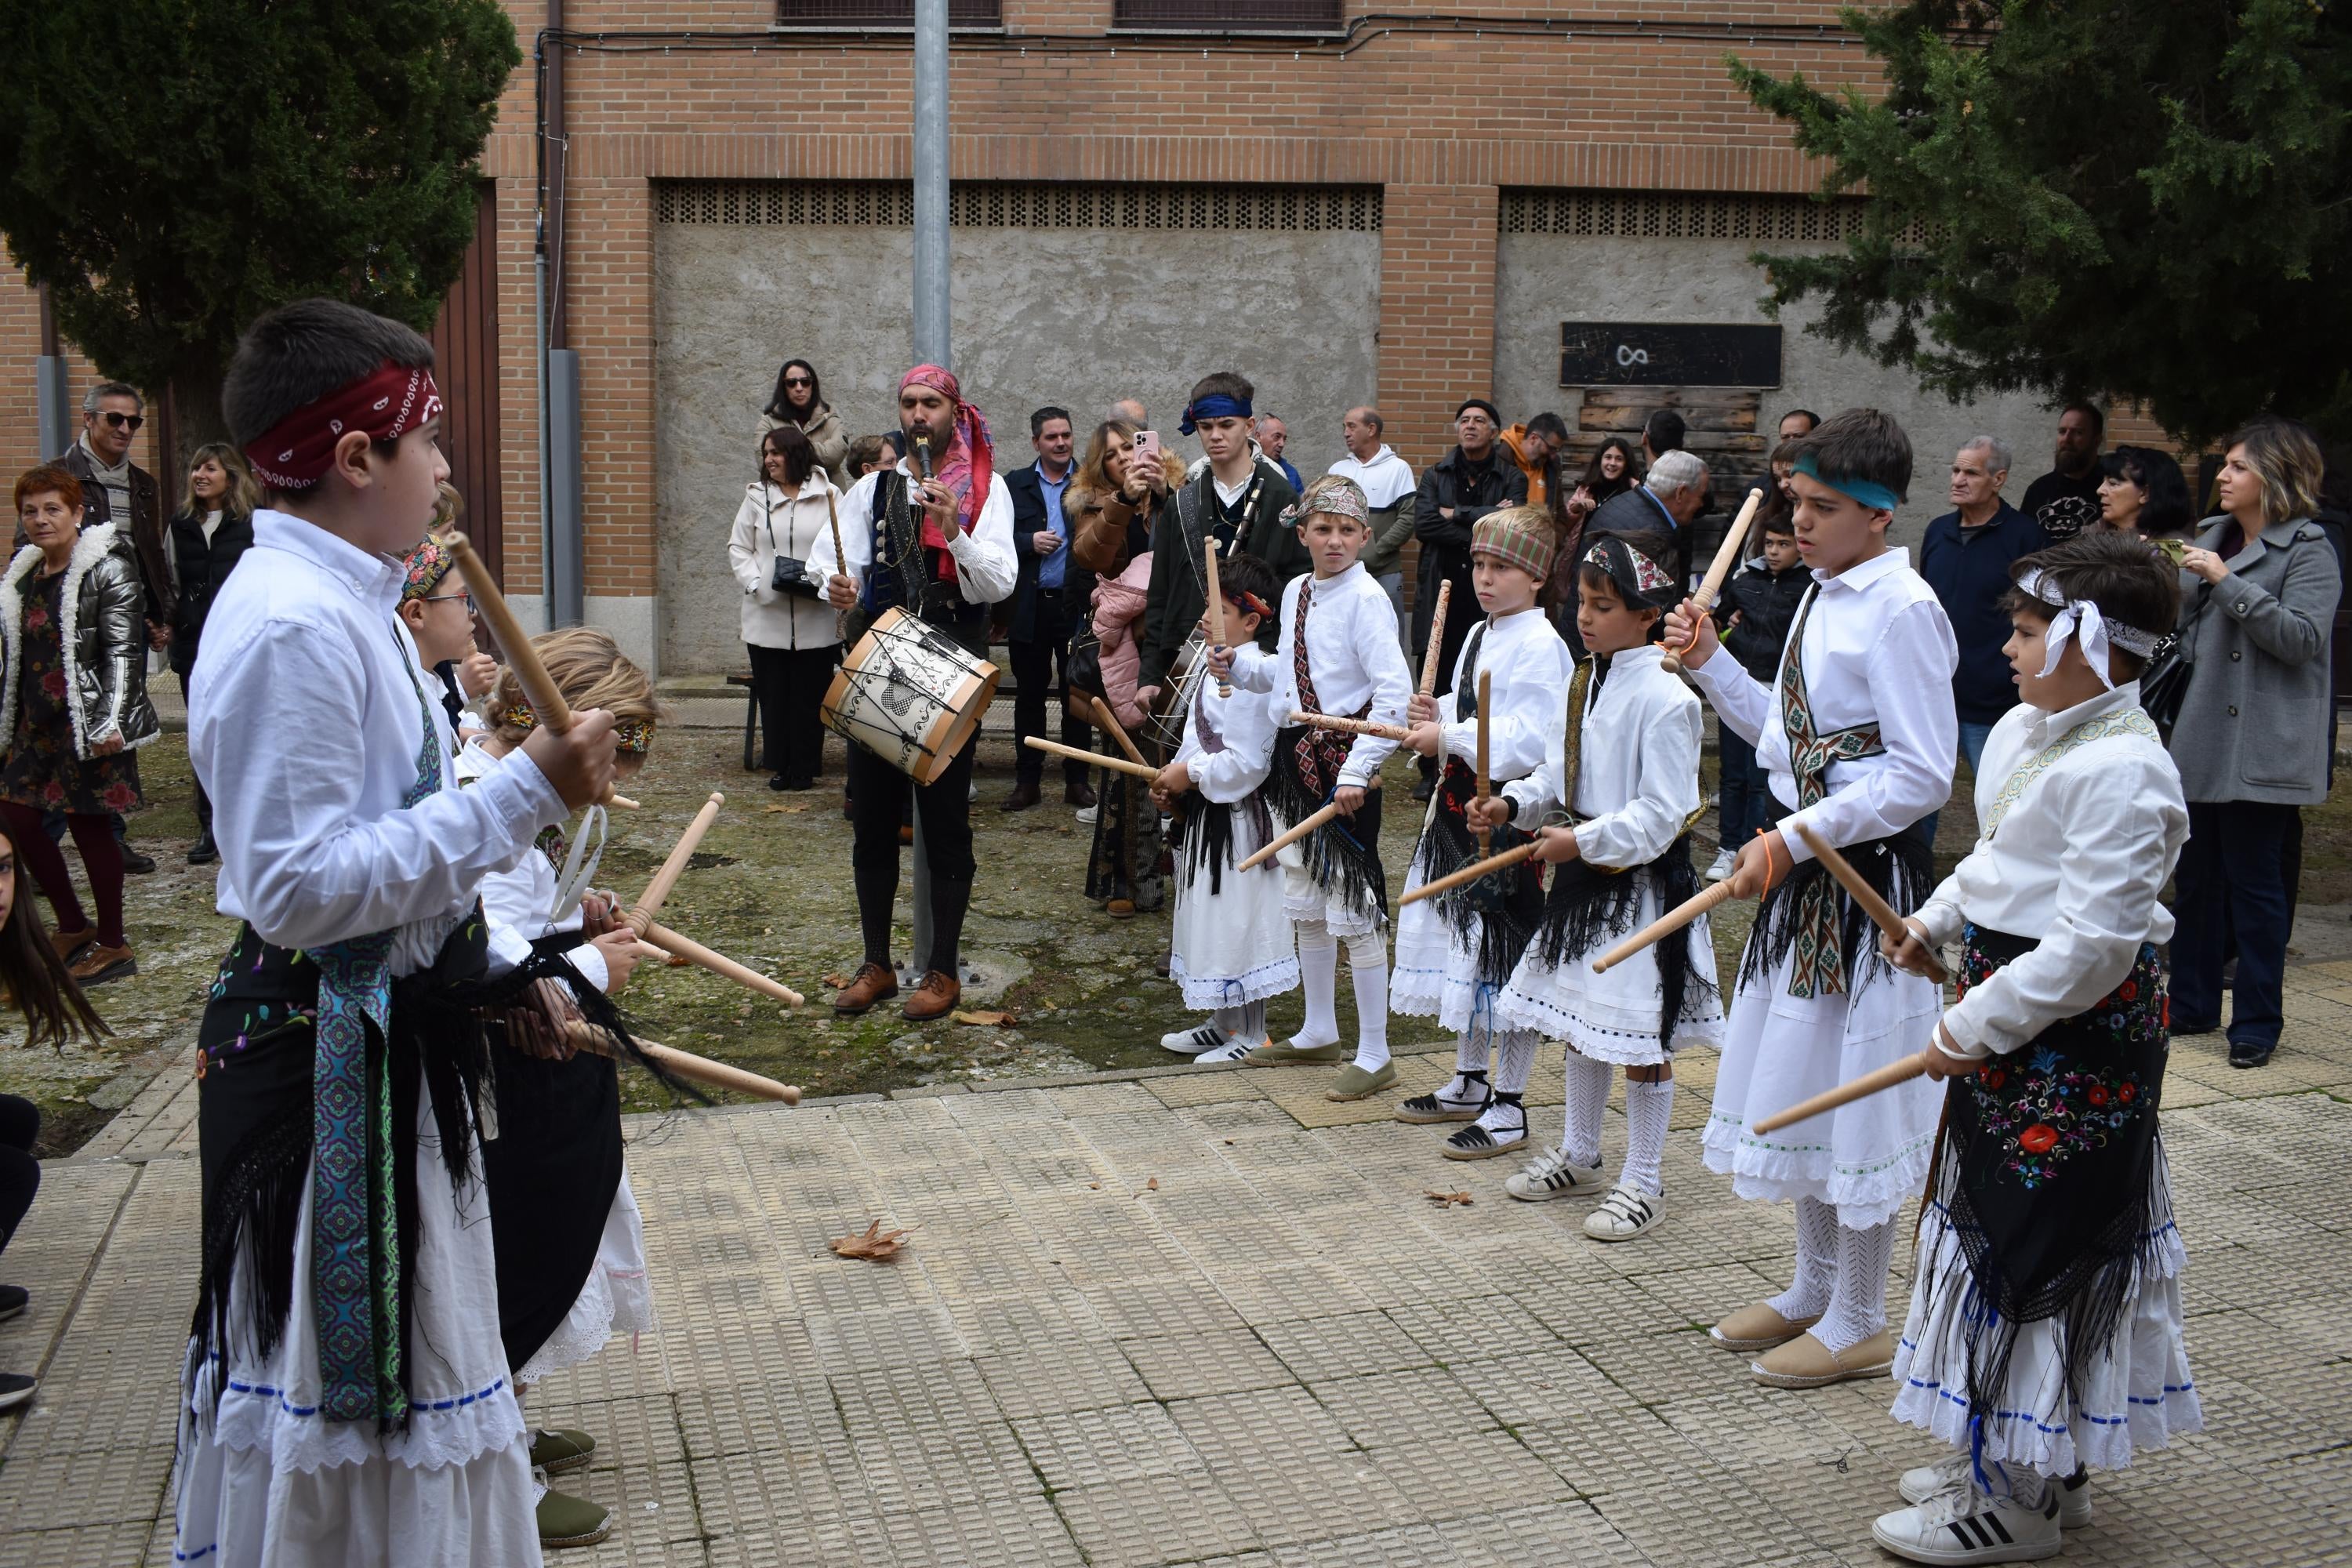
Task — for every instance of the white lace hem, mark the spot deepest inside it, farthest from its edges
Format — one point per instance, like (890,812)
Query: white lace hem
(454,1426)
(1636,1045)
(1864,1193)
(1209,993)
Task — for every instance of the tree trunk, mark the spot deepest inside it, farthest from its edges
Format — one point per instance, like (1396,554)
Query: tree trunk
(196,420)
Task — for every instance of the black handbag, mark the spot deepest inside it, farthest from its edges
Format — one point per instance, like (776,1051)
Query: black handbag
(1082,671)
(2164,685)
(790,575)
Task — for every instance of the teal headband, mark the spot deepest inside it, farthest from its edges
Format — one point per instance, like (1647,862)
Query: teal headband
(1869,492)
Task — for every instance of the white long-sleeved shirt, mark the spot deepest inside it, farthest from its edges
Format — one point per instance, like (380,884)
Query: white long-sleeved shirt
(1352,655)
(986,566)
(1386,478)
(1877,650)
(1637,764)
(516,901)
(306,716)
(1530,665)
(2077,858)
(1243,725)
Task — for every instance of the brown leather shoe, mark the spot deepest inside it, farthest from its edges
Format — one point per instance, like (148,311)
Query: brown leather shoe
(1077,792)
(934,998)
(68,942)
(1024,794)
(873,983)
(1120,909)
(99,964)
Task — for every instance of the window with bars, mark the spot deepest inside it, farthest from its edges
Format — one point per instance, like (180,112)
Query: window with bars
(1228,15)
(973,205)
(852,16)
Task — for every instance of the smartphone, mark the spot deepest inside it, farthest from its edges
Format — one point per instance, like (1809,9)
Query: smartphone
(1147,445)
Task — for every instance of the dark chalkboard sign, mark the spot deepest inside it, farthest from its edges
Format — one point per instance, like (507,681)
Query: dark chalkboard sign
(1649,354)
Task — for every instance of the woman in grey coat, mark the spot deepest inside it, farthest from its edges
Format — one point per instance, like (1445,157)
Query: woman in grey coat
(2258,598)
(73,709)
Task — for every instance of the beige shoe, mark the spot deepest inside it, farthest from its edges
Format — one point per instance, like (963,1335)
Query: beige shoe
(1806,1362)
(1758,1328)
(1285,1055)
(1352,1082)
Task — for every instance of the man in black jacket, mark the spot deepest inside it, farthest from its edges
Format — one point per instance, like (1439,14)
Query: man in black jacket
(1234,493)
(1464,485)
(1043,615)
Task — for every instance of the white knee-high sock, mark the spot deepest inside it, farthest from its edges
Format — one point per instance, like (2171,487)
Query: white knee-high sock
(1857,1307)
(1588,1093)
(1647,1107)
(1807,1296)
(1319,977)
(1367,968)
(1515,1058)
(1473,1052)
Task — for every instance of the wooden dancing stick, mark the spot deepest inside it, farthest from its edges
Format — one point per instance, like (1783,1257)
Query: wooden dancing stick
(1109,724)
(1868,1084)
(1472,872)
(1216,608)
(1666,925)
(1726,556)
(1350,726)
(624,802)
(1880,913)
(1436,640)
(1115,764)
(1306,826)
(546,699)
(658,892)
(719,963)
(1485,696)
(588,1037)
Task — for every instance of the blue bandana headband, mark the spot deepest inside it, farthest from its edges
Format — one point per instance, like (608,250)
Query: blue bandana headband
(1216,406)
(1869,492)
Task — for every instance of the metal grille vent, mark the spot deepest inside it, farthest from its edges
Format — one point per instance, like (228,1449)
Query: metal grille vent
(872,204)
(1677,215)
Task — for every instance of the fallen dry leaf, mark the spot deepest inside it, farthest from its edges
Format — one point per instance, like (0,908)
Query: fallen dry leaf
(873,1242)
(835,982)
(1093,1186)
(987,1017)
(1447,1200)
(1153,1185)
(772,810)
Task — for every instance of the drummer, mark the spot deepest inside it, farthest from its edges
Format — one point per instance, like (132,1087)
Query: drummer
(940,548)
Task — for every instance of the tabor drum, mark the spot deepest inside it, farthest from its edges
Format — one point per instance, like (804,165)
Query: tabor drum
(1163,726)
(910,694)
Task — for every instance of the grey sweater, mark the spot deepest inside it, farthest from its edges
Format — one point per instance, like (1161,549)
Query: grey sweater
(2254,723)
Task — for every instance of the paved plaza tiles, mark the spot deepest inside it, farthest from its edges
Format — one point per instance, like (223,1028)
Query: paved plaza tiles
(1283,1353)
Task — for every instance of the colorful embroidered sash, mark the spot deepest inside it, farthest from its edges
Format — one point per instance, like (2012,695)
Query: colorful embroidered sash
(354,1225)
(2129,721)
(1819,955)
(1320,753)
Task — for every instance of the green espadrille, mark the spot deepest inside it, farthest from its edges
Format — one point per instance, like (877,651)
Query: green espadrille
(558,1449)
(568,1521)
(1289,1055)
(1353,1082)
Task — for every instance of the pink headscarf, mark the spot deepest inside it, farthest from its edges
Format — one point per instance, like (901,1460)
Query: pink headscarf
(969,461)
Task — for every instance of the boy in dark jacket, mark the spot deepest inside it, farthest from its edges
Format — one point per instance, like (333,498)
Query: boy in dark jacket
(1756,607)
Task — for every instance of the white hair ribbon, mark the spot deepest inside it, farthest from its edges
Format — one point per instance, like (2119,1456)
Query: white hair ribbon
(574,880)
(2079,619)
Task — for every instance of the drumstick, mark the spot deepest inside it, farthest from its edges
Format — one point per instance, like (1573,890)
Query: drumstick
(546,699)
(658,892)
(1115,764)
(719,963)
(1726,555)
(1880,913)
(1472,872)
(1485,696)
(840,561)
(1666,924)
(1868,1084)
(1350,726)
(1110,721)
(1216,609)
(1436,640)
(1306,825)
(588,1037)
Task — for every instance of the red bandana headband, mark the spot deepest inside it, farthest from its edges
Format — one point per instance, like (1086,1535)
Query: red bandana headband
(296,453)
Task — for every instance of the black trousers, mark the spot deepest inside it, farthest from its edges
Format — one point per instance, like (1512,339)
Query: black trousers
(878,794)
(20,1174)
(789,685)
(1036,662)
(2231,885)
(204,801)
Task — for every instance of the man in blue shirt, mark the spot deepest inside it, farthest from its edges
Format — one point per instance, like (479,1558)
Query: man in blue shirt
(1966,559)
(1043,620)
(1272,435)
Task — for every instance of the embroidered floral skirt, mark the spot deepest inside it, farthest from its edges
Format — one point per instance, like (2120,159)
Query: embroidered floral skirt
(40,768)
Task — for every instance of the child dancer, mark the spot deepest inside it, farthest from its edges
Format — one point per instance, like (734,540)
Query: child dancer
(1454,952)
(572,1251)
(1753,616)
(1856,738)
(1626,768)
(2045,1330)
(1338,654)
(1231,947)
(346,1397)
(439,615)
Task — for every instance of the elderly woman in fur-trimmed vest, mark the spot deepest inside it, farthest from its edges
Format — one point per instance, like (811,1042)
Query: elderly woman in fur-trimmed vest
(73,709)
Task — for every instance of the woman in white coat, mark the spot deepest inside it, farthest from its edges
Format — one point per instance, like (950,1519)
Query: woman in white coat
(793,636)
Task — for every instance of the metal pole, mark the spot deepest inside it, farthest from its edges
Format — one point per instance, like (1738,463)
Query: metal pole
(53,396)
(546,482)
(932,345)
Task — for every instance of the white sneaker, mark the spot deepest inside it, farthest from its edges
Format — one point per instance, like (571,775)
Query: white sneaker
(1720,867)
(1949,1474)
(1235,1050)
(1087,814)
(1552,1175)
(1191,1042)
(1963,1526)
(1624,1213)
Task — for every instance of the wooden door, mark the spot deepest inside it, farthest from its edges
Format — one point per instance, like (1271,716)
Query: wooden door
(465,356)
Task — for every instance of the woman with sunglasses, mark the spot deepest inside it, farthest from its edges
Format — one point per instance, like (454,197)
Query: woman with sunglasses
(800,401)
(209,533)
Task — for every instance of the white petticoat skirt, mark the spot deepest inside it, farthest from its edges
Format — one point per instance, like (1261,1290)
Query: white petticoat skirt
(614,1298)
(1615,1017)
(2136,1391)
(264,1480)
(1868,1157)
